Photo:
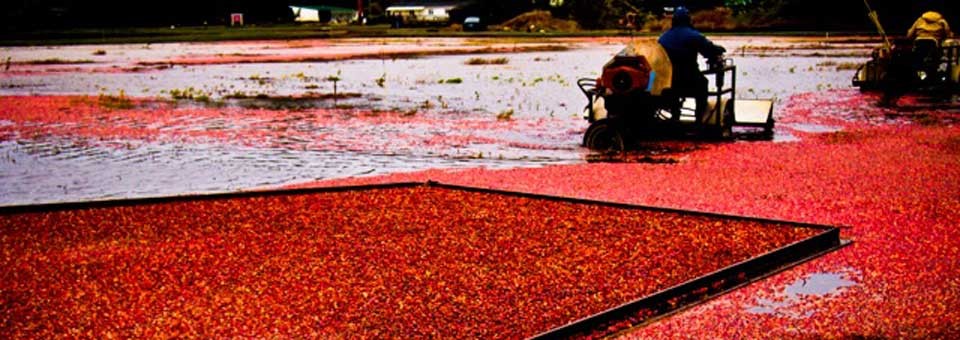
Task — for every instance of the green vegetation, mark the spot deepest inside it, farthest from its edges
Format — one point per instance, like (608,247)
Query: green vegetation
(237,95)
(190,93)
(484,61)
(381,81)
(292,32)
(505,115)
(57,61)
(844,66)
(118,102)
(276,32)
(540,21)
(260,79)
(334,79)
(159,35)
(59,22)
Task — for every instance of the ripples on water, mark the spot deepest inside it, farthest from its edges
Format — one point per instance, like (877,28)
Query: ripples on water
(538,87)
(63,171)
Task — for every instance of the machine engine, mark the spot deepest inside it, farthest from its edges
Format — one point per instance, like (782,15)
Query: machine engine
(626,74)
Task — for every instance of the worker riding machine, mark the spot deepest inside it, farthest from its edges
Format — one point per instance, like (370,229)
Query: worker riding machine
(905,66)
(633,101)
(898,68)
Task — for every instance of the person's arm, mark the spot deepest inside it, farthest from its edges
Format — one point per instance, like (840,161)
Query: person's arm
(946,28)
(710,50)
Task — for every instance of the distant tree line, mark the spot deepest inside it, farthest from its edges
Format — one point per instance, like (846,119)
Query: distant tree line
(33,14)
(767,14)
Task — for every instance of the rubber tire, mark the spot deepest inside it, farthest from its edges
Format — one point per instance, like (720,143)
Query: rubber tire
(604,135)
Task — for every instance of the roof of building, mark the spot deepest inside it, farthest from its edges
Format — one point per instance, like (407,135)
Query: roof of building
(430,3)
(333,9)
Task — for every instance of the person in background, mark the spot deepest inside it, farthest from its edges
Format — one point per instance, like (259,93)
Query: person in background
(930,26)
(682,43)
(928,34)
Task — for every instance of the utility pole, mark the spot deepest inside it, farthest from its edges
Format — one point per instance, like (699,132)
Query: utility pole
(360,14)
(876,21)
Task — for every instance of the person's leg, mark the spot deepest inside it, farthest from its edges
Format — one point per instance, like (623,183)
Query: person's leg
(926,58)
(681,87)
(900,75)
(700,87)
(692,85)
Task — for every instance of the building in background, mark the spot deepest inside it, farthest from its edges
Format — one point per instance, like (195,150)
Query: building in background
(425,13)
(325,14)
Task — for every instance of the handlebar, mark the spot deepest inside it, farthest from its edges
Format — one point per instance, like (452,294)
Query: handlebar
(715,63)
(718,65)
(588,86)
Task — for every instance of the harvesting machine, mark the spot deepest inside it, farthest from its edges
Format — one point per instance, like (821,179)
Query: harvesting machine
(633,100)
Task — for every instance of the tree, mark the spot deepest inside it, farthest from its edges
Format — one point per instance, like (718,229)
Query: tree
(738,5)
(591,14)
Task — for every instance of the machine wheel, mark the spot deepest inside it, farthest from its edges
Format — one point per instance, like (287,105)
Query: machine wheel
(604,135)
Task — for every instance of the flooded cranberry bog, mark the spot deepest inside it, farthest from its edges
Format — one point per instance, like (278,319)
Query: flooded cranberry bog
(169,119)
(108,133)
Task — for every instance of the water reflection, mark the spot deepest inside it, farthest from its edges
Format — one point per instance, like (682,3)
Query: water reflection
(61,171)
(789,302)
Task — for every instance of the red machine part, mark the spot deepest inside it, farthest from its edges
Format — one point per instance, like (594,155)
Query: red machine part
(626,75)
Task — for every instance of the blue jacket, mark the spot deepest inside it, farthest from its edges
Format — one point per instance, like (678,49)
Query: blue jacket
(682,44)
